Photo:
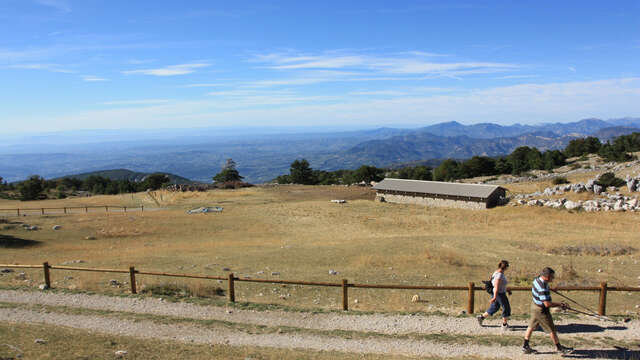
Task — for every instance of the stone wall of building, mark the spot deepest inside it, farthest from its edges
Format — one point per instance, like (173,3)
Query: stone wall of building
(432,202)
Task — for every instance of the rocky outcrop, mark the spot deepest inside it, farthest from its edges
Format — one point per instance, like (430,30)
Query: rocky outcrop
(609,200)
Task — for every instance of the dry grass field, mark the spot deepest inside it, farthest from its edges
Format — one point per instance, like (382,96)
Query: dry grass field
(297,232)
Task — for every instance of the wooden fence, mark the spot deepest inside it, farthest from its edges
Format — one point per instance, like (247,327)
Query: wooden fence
(67,209)
(603,289)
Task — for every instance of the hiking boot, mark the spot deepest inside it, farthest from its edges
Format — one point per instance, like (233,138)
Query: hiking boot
(564,349)
(526,349)
(506,327)
(480,319)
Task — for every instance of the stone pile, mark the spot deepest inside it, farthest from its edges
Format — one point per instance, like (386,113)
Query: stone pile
(610,200)
(633,185)
(611,203)
(189,187)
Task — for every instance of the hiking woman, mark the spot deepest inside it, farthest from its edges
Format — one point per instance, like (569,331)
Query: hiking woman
(499,299)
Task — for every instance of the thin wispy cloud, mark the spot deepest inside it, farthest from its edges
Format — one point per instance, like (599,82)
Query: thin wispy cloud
(60,5)
(517,77)
(409,63)
(136,102)
(378,93)
(46,67)
(572,69)
(203,85)
(140,61)
(171,70)
(92,78)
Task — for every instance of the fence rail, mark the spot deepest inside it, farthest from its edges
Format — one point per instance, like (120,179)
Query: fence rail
(65,209)
(603,289)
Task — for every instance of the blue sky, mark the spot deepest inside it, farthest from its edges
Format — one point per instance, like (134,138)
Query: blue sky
(67,64)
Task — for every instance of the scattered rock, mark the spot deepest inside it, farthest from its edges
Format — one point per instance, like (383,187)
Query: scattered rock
(114,283)
(415,298)
(355,301)
(40,341)
(275,273)
(333,272)
(21,276)
(338,201)
(597,189)
(570,205)
(534,203)
(121,353)
(226,269)
(89,237)
(6,271)
(32,228)
(56,227)
(70,262)
(43,287)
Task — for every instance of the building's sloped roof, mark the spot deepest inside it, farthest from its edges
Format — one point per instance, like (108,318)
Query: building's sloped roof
(437,187)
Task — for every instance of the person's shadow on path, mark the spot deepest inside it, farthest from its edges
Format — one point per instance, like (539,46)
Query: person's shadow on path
(618,353)
(585,328)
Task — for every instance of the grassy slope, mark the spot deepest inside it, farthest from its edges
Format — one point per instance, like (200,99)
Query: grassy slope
(296,231)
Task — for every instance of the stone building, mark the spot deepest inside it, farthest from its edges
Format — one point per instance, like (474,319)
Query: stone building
(436,193)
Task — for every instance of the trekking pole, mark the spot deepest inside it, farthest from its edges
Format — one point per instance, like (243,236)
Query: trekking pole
(575,302)
(601,317)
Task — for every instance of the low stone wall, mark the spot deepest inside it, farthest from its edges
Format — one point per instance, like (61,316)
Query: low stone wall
(432,202)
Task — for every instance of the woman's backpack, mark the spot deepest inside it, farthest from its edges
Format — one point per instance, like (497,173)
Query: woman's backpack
(488,285)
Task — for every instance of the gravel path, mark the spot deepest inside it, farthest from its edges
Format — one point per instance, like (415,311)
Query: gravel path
(381,323)
(199,335)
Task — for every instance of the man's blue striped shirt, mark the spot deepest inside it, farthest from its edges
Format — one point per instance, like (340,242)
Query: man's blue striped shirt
(540,291)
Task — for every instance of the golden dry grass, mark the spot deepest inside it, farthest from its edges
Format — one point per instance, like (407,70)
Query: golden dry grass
(296,231)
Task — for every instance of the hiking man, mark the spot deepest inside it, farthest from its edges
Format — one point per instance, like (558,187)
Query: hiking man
(540,314)
(499,299)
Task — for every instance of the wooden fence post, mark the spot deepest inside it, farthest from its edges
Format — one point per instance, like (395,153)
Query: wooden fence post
(472,298)
(86,209)
(42,210)
(232,290)
(141,208)
(106,209)
(602,309)
(132,275)
(345,295)
(65,209)
(18,211)
(47,278)
(125,209)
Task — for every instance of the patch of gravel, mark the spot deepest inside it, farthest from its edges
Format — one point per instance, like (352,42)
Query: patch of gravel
(379,323)
(199,335)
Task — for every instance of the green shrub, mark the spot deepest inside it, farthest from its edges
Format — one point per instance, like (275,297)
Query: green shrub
(560,180)
(610,179)
(181,290)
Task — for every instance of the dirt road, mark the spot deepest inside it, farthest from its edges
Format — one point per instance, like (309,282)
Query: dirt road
(372,333)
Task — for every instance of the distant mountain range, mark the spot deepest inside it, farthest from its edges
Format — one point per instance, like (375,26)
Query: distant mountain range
(199,154)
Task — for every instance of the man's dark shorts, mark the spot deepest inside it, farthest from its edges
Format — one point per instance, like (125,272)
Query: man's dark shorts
(541,316)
